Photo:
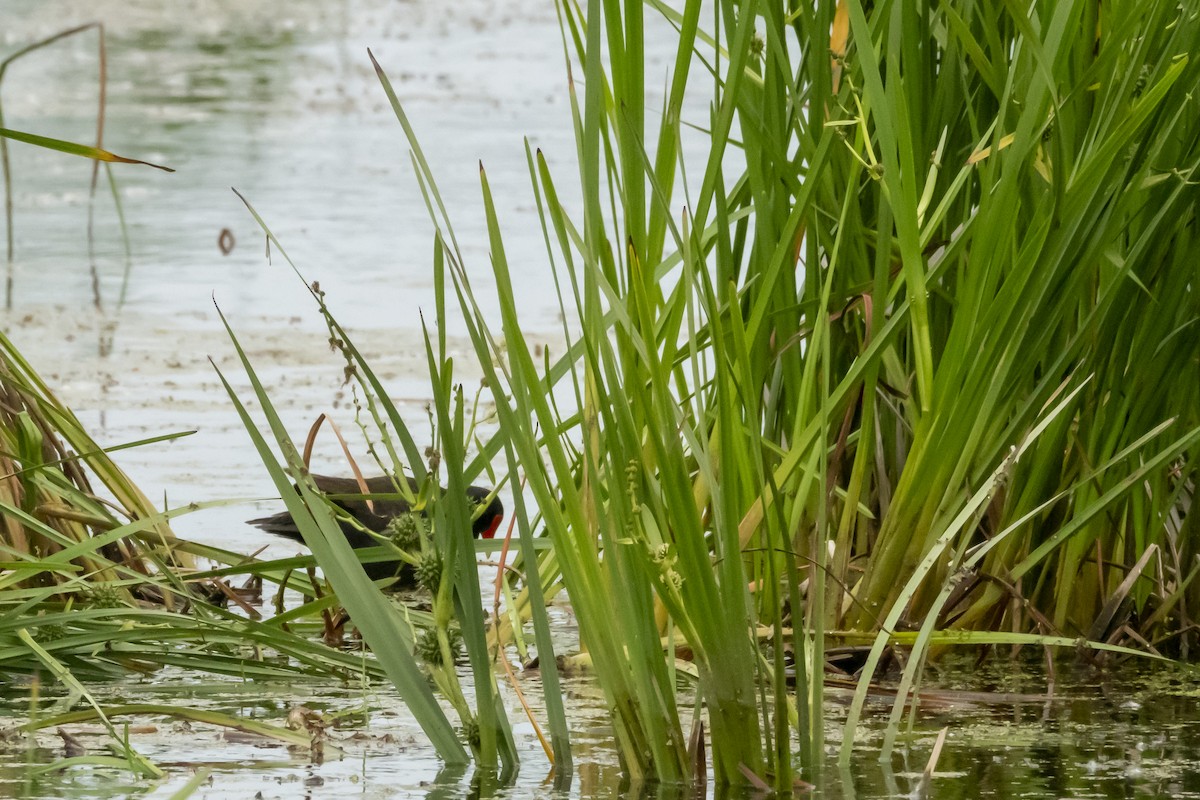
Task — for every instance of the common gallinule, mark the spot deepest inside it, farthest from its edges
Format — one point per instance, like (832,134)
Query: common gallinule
(484,522)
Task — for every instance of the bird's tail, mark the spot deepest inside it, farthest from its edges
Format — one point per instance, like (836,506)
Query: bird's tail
(278,524)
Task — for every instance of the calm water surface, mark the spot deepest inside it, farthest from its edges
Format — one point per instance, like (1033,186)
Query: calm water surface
(279,101)
(1116,734)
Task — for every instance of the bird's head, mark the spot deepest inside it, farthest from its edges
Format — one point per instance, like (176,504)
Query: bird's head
(488,514)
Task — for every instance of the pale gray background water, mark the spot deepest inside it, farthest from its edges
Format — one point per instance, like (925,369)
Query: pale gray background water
(280,101)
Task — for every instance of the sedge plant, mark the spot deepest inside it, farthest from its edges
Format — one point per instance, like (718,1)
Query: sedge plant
(916,353)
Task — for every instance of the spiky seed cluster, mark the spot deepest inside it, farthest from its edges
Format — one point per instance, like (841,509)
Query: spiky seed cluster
(49,633)
(633,471)
(757,46)
(674,579)
(405,530)
(105,596)
(664,556)
(429,650)
(470,733)
(456,644)
(429,571)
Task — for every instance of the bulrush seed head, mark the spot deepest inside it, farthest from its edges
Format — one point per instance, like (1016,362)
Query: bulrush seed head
(429,571)
(428,649)
(105,596)
(470,733)
(406,530)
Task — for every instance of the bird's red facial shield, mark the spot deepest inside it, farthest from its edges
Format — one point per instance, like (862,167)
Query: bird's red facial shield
(490,530)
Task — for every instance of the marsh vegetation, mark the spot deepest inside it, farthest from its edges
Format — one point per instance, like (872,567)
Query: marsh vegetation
(900,365)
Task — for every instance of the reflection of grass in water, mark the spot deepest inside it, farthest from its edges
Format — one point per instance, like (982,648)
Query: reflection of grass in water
(108,328)
(1102,729)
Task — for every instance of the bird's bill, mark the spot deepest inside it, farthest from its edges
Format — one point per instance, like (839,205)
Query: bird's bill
(490,531)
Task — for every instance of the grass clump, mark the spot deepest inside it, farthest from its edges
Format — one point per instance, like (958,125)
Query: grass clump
(415,657)
(907,349)
(94,586)
(57,528)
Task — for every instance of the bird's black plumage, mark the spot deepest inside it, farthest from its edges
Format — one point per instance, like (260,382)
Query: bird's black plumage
(375,516)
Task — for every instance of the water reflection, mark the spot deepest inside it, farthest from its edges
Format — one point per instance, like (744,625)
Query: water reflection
(279,100)
(1128,733)
(1123,734)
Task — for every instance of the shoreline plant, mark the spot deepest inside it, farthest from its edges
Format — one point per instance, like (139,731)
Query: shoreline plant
(910,354)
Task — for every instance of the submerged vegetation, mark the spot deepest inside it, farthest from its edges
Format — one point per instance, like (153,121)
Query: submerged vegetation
(907,362)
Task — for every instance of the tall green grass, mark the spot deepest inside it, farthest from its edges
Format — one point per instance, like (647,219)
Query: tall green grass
(417,658)
(99,156)
(95,586)
(909,353)
(911,347)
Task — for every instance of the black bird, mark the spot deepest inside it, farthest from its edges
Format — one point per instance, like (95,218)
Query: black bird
(483,525)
